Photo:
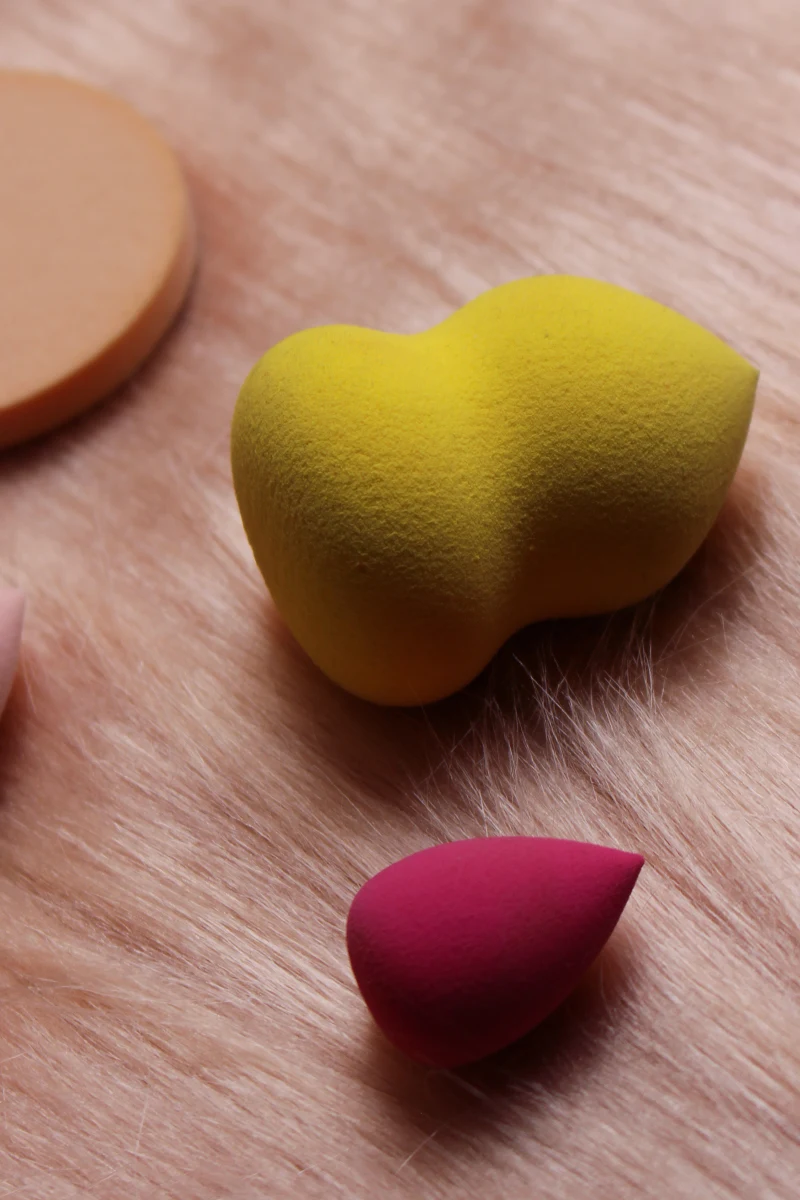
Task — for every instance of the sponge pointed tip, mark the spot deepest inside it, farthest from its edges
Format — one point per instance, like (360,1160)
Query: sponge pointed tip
(624,864)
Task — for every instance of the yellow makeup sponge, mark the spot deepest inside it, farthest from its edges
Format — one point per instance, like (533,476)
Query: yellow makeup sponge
(557,447)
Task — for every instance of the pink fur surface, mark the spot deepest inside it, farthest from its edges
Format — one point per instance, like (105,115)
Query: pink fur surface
(12,610)
(187,807)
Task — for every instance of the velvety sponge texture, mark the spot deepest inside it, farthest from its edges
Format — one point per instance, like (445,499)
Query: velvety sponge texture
(557,447)
(461,949)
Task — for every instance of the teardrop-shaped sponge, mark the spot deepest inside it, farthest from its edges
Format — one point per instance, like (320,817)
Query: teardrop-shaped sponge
(12,610)
(462,948)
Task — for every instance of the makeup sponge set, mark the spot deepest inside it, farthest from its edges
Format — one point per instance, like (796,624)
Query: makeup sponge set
(558,447)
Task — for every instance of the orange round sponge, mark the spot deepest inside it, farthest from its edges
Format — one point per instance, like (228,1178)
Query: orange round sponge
(96,247)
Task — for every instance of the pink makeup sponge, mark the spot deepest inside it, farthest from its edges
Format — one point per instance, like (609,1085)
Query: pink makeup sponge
(12,609)
(461,949)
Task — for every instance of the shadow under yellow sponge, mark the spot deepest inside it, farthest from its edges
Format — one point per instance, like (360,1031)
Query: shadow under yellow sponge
(557,447)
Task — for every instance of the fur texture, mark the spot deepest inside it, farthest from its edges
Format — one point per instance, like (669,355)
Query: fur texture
(187,807)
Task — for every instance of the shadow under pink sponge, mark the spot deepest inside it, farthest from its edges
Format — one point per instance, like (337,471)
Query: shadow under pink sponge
(462,948)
